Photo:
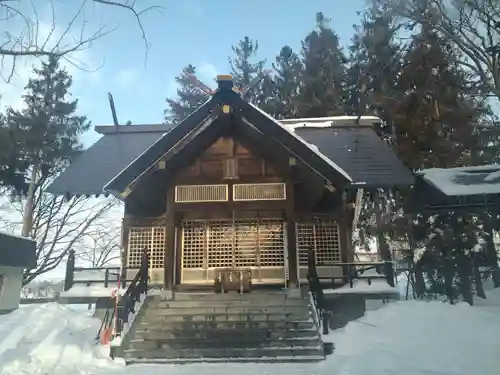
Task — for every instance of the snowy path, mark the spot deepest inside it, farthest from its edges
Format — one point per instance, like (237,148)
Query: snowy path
(46,339)
(407,337)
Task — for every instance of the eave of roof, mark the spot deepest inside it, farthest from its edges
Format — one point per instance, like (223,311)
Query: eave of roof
(360,152)
(151,128)
(120,186)
(428,198)
(138,166)
(16,251)
(94,168)
(464,181)
(356,151)
(295,138)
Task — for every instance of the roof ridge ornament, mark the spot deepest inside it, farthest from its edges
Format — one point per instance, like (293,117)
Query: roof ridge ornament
(226,82)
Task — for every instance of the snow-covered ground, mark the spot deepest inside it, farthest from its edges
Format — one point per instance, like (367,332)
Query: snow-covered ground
(405,337)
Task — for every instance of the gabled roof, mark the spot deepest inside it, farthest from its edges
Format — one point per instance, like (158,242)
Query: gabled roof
(464,181)
(17,251)
(98,165)
(360,152)
(348,154)
(461,189)
(206,116)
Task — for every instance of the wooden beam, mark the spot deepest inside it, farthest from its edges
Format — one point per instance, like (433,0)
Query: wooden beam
(170,258)
(124,245)
(230,205)
(291,234)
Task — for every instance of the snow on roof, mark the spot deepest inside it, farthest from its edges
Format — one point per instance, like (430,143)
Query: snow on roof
(332,121)
(310,146)
(478,180)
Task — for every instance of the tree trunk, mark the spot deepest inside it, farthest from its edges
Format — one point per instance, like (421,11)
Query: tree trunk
(28,205)
(464,268)
(491,253)
(449,274)
(478,281)
(383,247)
(415,276)
(420,288)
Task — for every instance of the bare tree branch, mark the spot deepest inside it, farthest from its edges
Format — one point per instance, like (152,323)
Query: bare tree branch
(102,247)
(130,6)
(22,35)
(472,26)
(59,226)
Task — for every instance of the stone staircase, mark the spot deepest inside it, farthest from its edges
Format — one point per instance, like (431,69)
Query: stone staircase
(255,327)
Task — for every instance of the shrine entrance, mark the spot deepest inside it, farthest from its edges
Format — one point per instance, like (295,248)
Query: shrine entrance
(256,244)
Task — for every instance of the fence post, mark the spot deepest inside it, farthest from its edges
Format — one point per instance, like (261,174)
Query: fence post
(390,274)
(70,271)
(106,277)
(145,269)
(326,322)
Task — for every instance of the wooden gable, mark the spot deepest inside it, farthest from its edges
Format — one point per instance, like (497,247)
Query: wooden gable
(228,159)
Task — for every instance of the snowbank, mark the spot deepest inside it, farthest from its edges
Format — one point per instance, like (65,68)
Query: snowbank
(362,287)
(417,338)
(49,339)
(405,337)
(97,291)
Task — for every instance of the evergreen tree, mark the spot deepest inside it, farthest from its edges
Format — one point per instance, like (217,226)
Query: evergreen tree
(287,80)
(189,97)
(375,64)
(46,131)
(246,71)
(323,91)
(435,109)
(12,168)
(433,120)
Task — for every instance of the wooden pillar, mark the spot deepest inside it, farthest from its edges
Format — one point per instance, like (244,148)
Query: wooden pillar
(345,236)
(169,266)
(345,231)
(177,247)
(346,250)
(124,249)
(383,247)
(291,235)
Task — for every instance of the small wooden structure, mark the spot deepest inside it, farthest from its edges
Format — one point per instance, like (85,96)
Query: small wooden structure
(463,190)
(231,188)
(16,255)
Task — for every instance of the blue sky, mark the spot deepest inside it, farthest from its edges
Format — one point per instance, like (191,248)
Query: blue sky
(201,33)
(188,31)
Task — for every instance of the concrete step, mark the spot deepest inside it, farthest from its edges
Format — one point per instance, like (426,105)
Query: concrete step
(223,344)
(213,334)
(238,309)
(154,303)
(182,361)
(206,297)
(154,316)
(225,353)
(169,325)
